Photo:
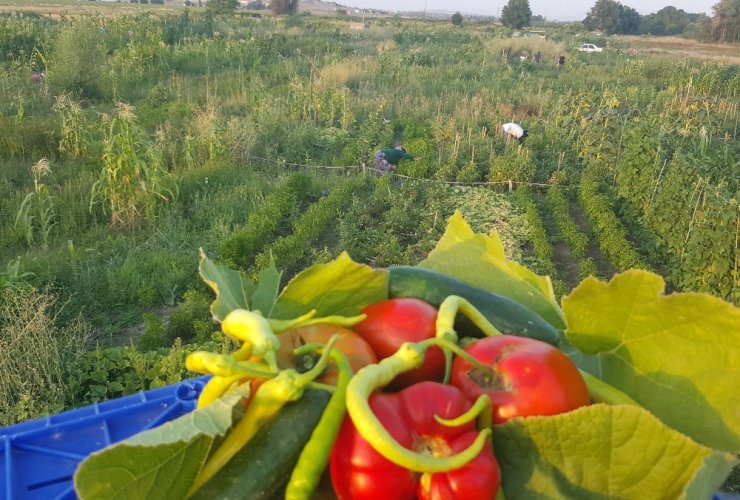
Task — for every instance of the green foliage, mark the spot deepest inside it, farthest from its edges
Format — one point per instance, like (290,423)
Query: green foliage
(191,321)
(222,7)
(667,21)
(153,337)
(14,275)
(77,59)
(288,251)
(37,213)
(515,164)
(516,14)
(610,232)
(538,235)
(456,19)
(726,21)
(133,181)
(240,247)
(612,17)
(571,233)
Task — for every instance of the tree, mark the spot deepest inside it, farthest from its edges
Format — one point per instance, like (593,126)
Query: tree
(629,21)
(604,16)
(610,17)
(457,19)
(279,7)
(726,21)
(516,14)
(667,21)
(218,7)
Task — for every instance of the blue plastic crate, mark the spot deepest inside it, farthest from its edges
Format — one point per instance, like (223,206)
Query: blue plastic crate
(39,457)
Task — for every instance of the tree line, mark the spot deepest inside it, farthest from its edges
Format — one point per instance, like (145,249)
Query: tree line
(612,17)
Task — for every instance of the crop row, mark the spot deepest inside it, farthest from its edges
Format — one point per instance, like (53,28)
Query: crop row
(240,247)
(309,227)
(570,231)
(610,232)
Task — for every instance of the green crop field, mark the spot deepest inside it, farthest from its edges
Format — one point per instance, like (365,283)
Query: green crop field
(157,131)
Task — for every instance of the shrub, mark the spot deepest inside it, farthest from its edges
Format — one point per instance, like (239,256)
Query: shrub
(36,354)
(77,61)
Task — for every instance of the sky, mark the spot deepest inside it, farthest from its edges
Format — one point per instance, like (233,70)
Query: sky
(563,10)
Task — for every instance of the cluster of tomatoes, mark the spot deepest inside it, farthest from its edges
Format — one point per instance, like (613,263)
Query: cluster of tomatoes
(522,377)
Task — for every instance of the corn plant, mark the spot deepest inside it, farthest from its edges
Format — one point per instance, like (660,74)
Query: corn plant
(133,180)
(75,140)
(37,213)
(14,276)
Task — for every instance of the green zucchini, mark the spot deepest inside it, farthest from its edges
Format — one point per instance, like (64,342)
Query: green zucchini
(508,316)
(261,469)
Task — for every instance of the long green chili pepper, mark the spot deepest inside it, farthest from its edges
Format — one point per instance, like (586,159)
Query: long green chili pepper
(602,392)
(315,455)
(271,396)
(372,377)
(445,324)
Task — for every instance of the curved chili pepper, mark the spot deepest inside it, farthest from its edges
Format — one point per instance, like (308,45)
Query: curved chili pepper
(373,377)
(445,325)
(271,396)
(226,371)
(315,455)
(257,333)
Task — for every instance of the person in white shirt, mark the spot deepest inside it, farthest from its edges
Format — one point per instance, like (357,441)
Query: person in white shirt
(514,131)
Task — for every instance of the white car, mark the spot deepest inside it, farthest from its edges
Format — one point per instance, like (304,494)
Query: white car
(589,47)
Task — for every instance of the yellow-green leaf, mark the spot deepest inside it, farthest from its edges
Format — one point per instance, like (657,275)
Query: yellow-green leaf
(479,260)
(677,355)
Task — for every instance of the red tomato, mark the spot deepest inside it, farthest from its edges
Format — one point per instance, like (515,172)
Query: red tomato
(392,322)
(528,377)
(359,472)
(358,352)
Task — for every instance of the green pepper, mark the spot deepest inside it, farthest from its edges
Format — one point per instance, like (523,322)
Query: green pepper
(315,455)
(270,397)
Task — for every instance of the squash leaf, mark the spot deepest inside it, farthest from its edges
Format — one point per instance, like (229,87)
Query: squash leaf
(677,355)
(228,285)
(340,287)
(268,286)
(601,452)
(479,260)
(160,463)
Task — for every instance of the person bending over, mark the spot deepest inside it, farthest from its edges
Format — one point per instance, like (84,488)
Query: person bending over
(386,160)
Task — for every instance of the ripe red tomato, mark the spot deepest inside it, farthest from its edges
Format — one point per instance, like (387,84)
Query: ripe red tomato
(359,472)
(392,322)
(358,352)
(528,377)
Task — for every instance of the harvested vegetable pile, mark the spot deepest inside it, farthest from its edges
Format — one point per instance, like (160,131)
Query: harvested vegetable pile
(458,378)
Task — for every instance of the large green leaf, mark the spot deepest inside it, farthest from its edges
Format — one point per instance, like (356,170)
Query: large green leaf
(226,283)
(602,452)
(342,287)
(160,463)
(479,260)
(677,355)
(268,286)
